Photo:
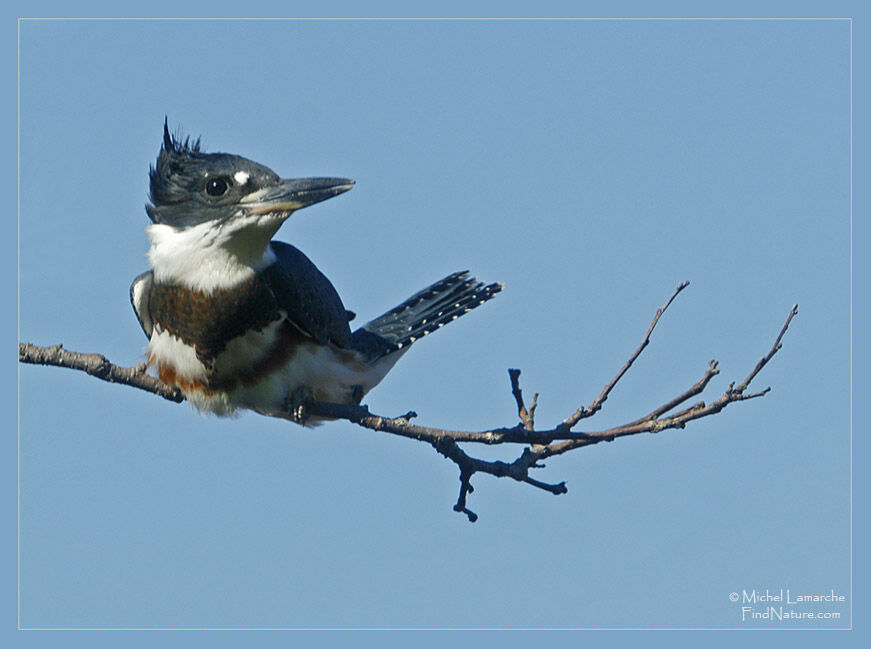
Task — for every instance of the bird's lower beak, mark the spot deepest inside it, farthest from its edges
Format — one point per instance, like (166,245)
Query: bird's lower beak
(294,194)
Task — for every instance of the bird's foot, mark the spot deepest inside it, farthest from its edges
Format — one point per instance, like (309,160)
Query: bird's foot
(296,405)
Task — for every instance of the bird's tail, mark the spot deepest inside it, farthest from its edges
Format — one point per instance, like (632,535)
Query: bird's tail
(422,313)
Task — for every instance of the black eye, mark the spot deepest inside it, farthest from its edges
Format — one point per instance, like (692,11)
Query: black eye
(217,187)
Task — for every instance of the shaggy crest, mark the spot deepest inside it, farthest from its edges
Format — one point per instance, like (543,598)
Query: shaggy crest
(171,178)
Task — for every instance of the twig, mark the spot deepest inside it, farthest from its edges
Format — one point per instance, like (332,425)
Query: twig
(774,349)
(582,412)
(527,417)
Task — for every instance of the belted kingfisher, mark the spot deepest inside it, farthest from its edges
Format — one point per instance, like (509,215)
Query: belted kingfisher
(238,321)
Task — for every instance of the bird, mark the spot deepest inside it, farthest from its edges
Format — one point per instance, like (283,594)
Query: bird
(238,321)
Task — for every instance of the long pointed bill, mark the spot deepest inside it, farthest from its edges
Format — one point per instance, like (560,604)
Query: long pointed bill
(294,194)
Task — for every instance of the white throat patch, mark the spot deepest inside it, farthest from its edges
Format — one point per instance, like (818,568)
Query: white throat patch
(212,256)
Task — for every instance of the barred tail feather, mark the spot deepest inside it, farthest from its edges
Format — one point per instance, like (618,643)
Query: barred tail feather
(422,313)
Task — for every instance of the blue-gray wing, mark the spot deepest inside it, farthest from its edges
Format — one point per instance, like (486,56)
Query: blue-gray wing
(307,296)
(139,292)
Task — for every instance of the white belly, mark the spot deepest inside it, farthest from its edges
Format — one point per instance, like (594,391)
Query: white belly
(324,373)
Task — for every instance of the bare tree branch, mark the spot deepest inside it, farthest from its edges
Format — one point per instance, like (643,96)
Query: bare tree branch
(527,416)
(99,366)
(582,412)
(539,444)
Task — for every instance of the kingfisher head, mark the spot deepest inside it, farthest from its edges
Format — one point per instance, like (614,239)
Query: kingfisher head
(191,188)
(214,214)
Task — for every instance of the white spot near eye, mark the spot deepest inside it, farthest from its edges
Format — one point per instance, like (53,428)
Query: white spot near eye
(241,177)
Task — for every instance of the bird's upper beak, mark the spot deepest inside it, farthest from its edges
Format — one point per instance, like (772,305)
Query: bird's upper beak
(293,194)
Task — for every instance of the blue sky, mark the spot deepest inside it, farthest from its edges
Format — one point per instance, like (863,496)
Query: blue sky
(590,166)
